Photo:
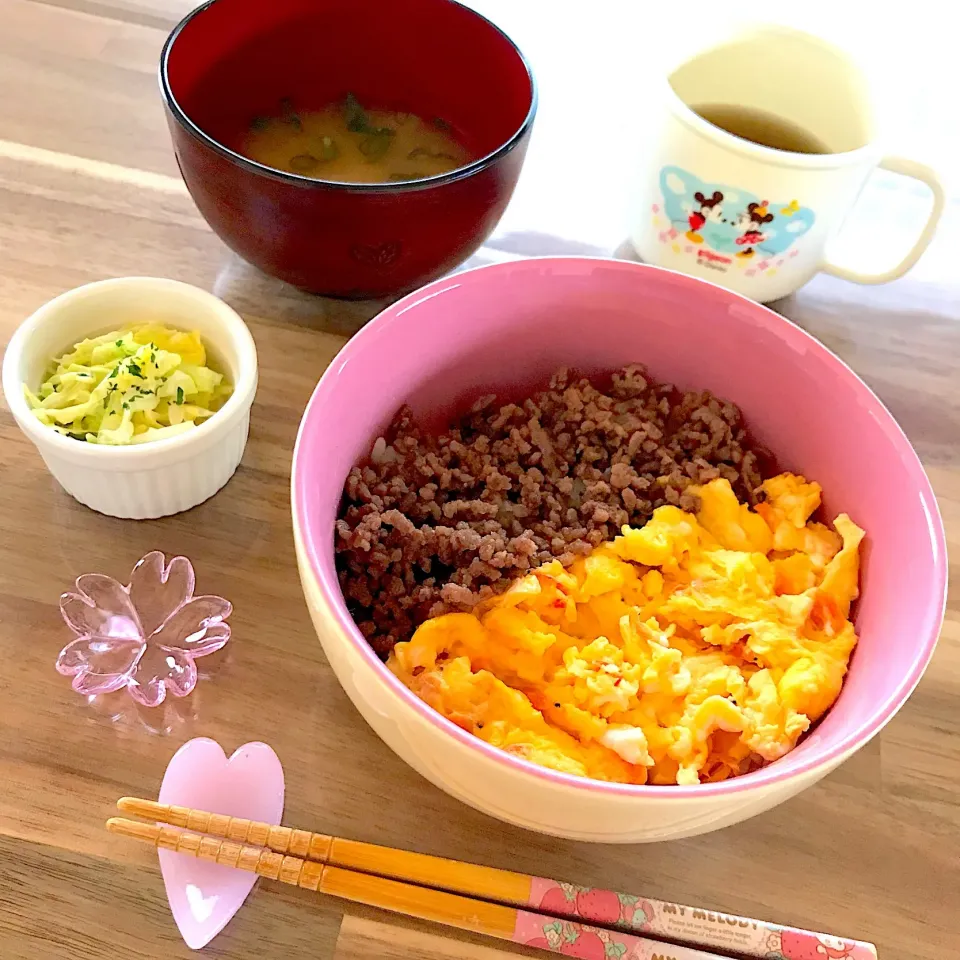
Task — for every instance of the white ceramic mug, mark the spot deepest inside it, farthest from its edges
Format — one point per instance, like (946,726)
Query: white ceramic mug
(749,217)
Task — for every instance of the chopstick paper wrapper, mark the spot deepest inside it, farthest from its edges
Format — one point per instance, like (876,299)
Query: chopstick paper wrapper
(678,923)
(673,922)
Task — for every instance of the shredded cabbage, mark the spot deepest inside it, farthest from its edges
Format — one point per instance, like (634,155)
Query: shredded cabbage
(133,385)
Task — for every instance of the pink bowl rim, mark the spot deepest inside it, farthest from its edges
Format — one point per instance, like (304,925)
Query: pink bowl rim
(767,776)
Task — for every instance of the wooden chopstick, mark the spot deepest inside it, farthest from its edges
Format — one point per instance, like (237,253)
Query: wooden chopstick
(455,876)
(675,923)
(437,906)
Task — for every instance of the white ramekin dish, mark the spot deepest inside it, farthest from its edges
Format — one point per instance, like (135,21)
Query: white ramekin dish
(152,479)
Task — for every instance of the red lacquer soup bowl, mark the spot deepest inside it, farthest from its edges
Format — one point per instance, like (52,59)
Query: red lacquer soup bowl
(231,60)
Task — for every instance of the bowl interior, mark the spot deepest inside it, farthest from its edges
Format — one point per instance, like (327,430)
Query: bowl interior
(509,326)
(236,59)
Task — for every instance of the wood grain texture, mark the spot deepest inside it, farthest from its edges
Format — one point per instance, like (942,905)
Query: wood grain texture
(89,189)
(363,939)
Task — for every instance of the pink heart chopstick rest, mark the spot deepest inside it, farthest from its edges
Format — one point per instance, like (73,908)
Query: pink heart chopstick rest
(204,896)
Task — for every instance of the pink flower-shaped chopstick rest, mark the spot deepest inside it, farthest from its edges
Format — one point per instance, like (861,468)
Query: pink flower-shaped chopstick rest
(144,636)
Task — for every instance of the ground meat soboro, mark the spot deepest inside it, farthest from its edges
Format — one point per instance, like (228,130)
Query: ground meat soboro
(432,524)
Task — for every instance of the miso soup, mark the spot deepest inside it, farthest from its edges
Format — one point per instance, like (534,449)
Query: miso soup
(348,143)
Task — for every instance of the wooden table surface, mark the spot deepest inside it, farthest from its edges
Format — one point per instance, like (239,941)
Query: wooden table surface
(89,189)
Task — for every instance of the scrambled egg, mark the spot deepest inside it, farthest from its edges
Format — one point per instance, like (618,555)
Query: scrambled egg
(690,650)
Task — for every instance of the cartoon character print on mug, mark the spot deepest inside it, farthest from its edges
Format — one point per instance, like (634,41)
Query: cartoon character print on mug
(724,228)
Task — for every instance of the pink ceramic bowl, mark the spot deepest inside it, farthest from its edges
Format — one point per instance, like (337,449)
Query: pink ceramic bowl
(504,326)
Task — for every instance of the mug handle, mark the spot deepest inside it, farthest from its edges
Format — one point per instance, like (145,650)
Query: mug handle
(916,171)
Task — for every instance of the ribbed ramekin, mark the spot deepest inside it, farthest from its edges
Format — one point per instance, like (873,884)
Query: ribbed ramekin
(151,479)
